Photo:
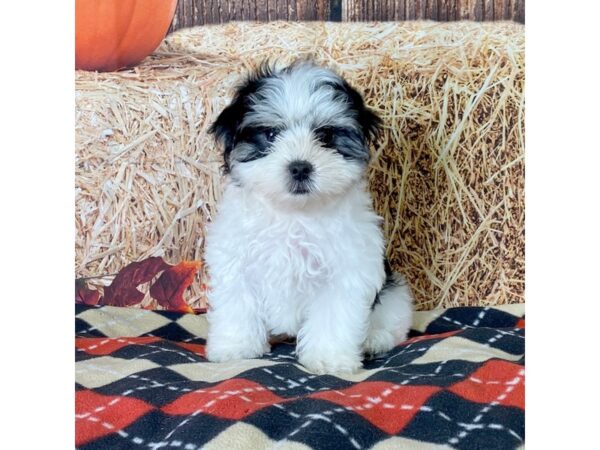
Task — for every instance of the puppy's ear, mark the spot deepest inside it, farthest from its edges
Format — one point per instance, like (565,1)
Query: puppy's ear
(368,120)
(226,127)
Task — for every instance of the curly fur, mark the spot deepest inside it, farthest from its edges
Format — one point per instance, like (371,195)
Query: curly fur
(296,247)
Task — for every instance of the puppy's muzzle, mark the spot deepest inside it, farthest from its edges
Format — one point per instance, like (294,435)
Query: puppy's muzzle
(300,170)
(300,174)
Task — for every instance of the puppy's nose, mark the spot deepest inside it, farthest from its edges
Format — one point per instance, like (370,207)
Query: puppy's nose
(300,170)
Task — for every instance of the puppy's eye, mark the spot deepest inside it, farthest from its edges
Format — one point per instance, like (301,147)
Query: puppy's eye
(270,134)
(325,135)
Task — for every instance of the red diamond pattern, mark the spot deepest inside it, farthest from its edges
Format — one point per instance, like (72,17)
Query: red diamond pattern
(233,399)
(427,337)
(106,346)
(97,415)
(161,414)
(496,381)
(388,406)
(199,349)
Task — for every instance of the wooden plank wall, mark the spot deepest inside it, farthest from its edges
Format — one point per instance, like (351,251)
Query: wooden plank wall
(199,12)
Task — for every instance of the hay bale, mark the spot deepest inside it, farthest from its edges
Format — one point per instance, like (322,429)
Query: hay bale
(447,176)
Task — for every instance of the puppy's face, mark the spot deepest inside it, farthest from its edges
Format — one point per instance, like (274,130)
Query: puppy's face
(296,136)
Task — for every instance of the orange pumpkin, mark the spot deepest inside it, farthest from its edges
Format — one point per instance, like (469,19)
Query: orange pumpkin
(114,34)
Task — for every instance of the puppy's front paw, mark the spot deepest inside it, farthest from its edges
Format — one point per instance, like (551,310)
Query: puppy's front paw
(227,351)
(378,341)
(332,364)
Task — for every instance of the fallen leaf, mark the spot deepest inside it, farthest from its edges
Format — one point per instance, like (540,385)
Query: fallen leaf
(168,289)
(85,295)
(123,290)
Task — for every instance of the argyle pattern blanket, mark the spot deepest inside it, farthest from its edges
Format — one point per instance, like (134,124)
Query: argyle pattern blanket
(142,382)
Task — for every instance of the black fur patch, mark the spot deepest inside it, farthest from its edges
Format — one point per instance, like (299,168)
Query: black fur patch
(260,140)
(369,121)
(388,283)
(347,142)
(227,124)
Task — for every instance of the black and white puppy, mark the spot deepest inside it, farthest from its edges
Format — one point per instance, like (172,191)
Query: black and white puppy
(296,247)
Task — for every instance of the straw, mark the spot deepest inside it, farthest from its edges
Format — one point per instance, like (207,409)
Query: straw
(447,174)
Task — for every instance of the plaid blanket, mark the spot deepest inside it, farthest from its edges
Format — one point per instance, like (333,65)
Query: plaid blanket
(142,382)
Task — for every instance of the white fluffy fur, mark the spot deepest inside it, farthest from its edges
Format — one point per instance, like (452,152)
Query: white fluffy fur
(390,321)
(303,265)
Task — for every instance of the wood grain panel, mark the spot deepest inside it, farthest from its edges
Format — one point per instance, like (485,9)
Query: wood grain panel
(443,10)
(199,12)
(488,10)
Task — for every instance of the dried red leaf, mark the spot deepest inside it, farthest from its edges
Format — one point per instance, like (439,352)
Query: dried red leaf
(168,289)
(85,295)
(123,290)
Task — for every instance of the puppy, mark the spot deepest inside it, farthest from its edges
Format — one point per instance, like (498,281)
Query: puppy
(296,248)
